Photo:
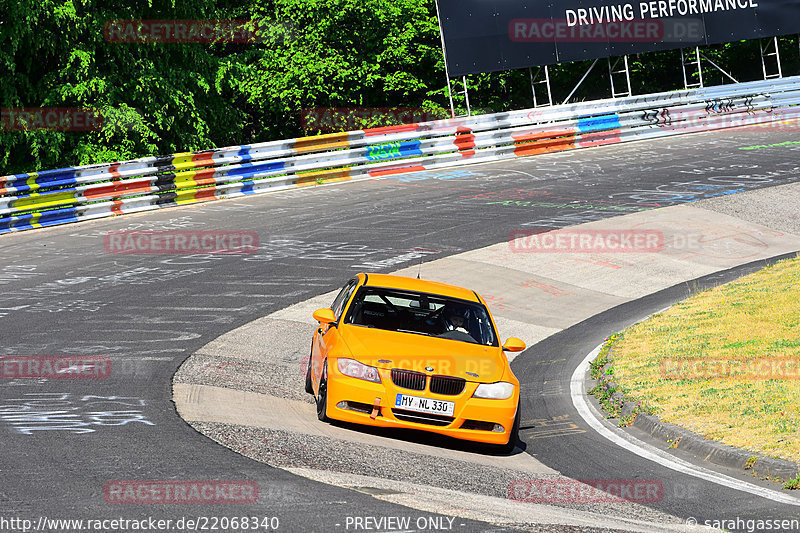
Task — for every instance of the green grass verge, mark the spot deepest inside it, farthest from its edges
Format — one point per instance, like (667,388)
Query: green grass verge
(724,363)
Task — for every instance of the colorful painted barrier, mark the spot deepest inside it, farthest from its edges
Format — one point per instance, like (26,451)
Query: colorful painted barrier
(66,195)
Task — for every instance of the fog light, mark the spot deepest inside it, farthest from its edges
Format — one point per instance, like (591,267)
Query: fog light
(358,407)
(498,428)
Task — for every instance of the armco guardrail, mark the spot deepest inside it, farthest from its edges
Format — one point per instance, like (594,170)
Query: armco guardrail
(80,193)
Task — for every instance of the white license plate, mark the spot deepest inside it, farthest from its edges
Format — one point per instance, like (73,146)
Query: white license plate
(424,405)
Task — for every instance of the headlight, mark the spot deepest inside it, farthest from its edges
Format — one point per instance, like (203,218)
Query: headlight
(495,391)
(354,369)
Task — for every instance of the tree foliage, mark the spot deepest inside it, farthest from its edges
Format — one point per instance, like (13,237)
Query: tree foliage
(164,97)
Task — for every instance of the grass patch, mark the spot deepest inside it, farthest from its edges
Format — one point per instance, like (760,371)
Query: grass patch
(601,369)
(747,323)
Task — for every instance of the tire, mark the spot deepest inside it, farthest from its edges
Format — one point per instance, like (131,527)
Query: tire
(322,396)
(513,437)
(309,386)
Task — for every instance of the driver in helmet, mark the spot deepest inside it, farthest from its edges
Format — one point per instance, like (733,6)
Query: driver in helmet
(455,318)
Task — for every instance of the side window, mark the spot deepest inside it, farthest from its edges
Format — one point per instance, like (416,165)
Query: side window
(341,299)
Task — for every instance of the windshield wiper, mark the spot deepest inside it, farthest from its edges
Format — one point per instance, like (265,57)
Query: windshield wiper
(412,331)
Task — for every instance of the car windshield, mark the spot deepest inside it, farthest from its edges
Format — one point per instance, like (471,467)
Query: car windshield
(422,314)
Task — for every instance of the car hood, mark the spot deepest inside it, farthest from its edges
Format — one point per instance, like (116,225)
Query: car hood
(392,349)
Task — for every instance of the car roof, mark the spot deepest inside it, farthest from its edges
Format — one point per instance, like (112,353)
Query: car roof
(389,281)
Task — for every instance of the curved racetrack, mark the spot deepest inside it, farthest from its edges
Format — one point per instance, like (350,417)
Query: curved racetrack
(64,440)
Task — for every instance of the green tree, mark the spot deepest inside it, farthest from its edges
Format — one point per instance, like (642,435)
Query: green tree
(335,53)
(154,97)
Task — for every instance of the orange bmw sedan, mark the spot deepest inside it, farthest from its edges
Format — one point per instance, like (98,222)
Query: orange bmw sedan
(400,352)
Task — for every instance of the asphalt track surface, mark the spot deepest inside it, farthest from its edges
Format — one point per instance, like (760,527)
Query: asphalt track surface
(63,294)
(582,455)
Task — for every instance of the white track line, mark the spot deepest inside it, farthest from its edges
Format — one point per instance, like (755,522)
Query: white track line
(642,449)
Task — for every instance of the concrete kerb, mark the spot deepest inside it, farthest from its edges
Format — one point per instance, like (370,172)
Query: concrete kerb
(606,280)
(716,452)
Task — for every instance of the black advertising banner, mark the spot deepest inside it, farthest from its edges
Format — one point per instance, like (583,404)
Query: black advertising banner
(494,35)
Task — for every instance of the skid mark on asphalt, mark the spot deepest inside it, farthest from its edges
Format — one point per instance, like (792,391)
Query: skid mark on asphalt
(557,426)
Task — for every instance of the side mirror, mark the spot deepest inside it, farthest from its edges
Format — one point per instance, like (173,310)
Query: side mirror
(513,344)
(325,316)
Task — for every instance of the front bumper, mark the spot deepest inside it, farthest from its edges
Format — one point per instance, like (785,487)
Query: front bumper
(354,400)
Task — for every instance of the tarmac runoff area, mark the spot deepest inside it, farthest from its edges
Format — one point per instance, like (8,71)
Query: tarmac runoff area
(245,389)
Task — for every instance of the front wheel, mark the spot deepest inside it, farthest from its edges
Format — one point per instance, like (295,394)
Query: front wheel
(322,396)
(513,436)
(309,387)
